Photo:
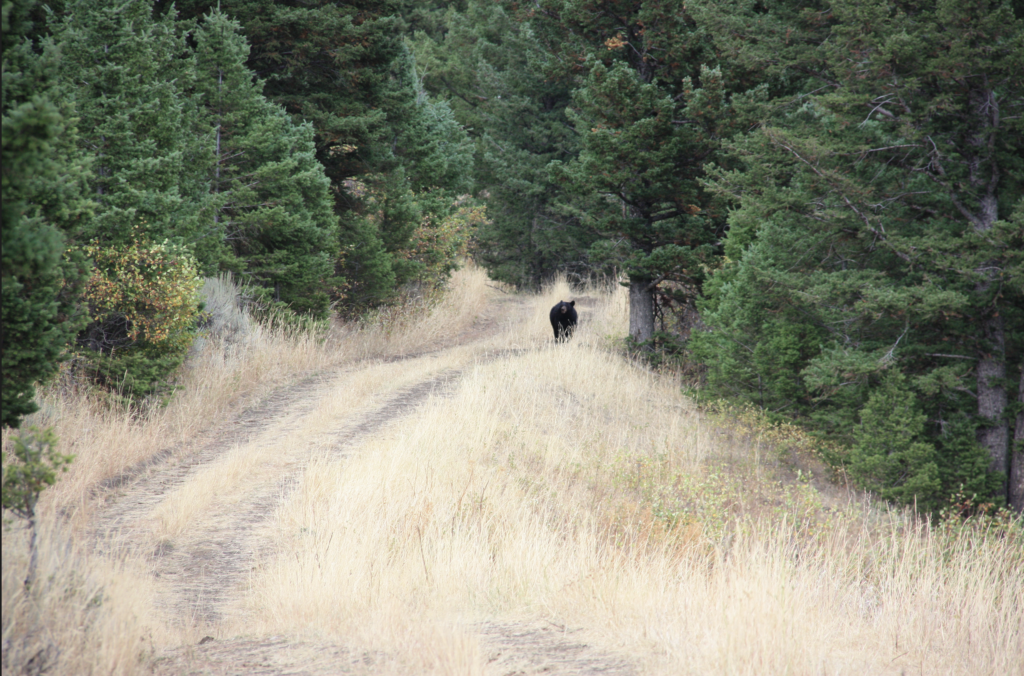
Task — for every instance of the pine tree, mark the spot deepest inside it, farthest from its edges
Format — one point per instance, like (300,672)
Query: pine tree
(422,170)
(130,77)
(639,157)
(888,454)
(650,108)
(272,197)
(877,215)
(43,205)
(503,87)
(345,68)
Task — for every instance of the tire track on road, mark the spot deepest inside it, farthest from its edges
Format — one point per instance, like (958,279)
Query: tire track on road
(134,493)
(204,574)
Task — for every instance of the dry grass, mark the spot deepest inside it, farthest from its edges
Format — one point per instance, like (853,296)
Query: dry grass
(420,324)
(230,477)
(107,440)
(85,614)
(235,366)
(556,483)
(559,484)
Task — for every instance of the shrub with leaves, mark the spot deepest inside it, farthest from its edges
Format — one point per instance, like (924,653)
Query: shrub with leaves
(437,244)
(144,302)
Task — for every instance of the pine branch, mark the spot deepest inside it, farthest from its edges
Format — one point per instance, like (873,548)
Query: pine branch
(880,234)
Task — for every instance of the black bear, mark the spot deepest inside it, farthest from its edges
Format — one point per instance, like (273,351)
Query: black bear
(563,319)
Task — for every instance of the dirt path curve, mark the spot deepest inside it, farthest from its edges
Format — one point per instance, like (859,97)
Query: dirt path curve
(202,561)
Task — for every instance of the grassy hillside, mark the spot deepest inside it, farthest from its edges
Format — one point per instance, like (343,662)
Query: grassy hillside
(538,484)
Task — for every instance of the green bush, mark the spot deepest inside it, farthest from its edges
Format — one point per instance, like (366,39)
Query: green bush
(144,302)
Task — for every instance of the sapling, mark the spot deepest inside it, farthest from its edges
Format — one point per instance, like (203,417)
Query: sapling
(29,468)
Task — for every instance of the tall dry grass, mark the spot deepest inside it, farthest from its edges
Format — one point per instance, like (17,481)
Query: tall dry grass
(559,483)
(94,614)
(84,615)
(235,366)
(423,322)
(564,483)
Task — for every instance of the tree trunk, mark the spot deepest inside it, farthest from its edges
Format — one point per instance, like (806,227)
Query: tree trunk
(992,395)
(984,179)
(220,119)
(641,310)
(216,181)
(33,555)
(1017,454)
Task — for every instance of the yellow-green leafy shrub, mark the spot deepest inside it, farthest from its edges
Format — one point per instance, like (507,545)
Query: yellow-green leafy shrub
(143,300)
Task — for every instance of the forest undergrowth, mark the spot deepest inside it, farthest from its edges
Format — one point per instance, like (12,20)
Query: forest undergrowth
(564,484)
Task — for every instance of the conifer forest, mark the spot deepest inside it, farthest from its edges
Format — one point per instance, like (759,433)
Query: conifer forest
(817,206)
(494,337)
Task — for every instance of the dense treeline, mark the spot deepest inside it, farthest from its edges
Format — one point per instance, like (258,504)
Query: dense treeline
(820,205)
(146,146)
(874,277)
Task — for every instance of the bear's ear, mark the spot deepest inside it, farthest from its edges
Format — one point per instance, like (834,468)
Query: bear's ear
(573,303)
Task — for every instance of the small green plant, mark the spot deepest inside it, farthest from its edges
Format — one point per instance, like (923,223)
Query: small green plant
(964,511)
(31,466)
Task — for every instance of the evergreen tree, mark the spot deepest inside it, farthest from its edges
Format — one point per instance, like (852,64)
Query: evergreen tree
(640,157)
(503,86)
(131,79)
(43,204)
(273,200)
(878,222)
(650,108)
(420,173)
(345,68)
(888,454)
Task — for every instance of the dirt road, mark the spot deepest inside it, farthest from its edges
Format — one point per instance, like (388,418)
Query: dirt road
(196,516)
